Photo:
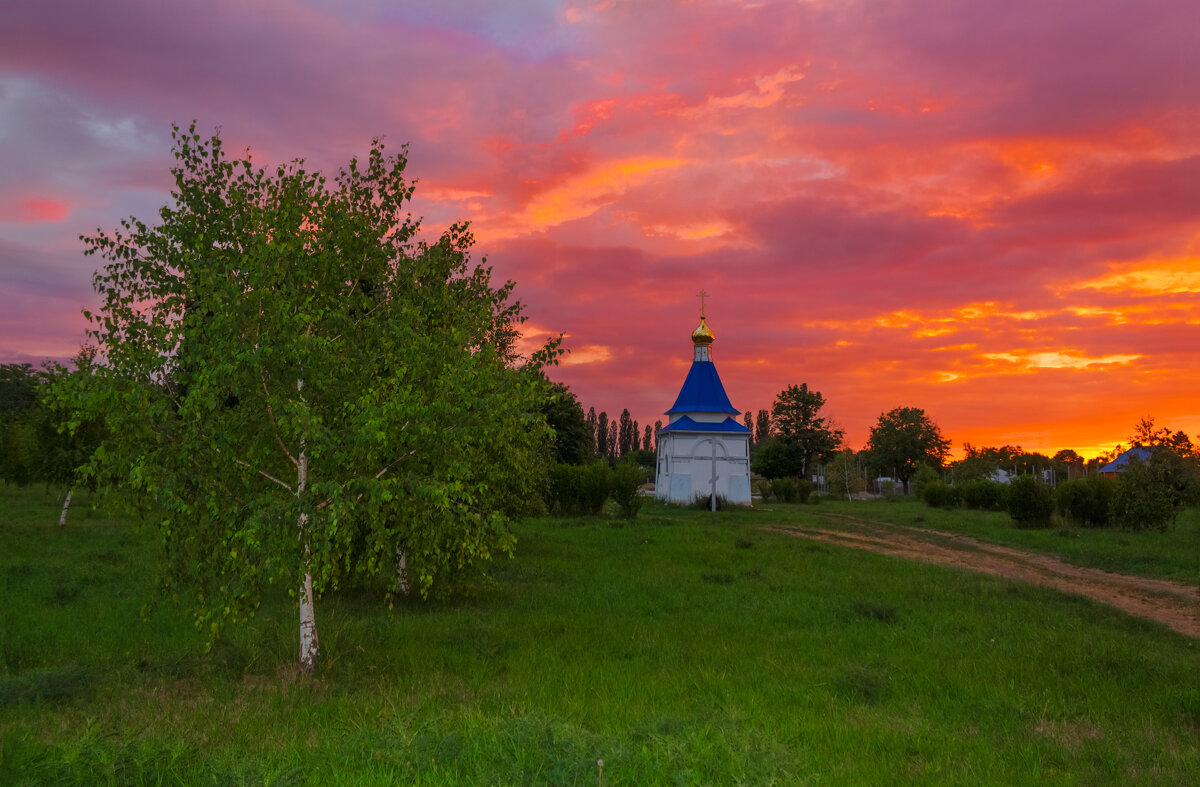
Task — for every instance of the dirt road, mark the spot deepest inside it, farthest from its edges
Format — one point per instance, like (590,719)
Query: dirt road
(1172,603)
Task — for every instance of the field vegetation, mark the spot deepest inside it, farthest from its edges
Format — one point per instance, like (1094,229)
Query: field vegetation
(682,647)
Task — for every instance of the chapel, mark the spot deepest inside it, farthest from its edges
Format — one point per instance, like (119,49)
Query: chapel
(703,447)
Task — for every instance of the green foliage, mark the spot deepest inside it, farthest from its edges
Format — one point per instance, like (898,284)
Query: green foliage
(984,462)
(924,475)
(903,439)
(844,474)
(705,503)
(1086,502)
(774,458)
(797,421)
(579,490)
(626,484)
(573,441)
(983,495)
(1030,502)
(529,681)
(293,386)
(938,495)
(786,490)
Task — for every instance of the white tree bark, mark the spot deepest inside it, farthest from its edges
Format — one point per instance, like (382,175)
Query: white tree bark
(62,519)
(402,572)
(310,650)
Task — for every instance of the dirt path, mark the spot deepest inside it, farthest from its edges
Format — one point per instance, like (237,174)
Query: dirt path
(1171,603)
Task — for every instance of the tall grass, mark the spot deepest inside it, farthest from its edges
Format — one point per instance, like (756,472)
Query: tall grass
(684,648)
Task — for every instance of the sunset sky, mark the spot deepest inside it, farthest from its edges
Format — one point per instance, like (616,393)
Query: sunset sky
(989,209)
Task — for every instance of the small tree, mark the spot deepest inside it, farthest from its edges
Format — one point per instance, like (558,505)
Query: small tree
(627,480)
(296,392)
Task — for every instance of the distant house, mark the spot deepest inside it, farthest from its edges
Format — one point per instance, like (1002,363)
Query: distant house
(1121,463)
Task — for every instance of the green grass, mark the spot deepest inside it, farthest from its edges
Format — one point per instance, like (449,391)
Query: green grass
(1174,554)
(683,648)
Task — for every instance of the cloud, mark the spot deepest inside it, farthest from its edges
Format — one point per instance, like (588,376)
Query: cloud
(986,209)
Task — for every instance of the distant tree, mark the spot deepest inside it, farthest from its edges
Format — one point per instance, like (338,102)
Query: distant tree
(798,421)
(602,434)
(658,425)
(986,461)
(591,421)
(1067,464)
(762,426)
(624,433)
(19,401)
(637,437)
(612,439)
(904,438)
(776,459)
(572,443)
(748,422)
(647,440)
(1146,434)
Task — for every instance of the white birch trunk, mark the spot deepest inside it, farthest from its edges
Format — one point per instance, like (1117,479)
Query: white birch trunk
(402,572)
(62,519)
(310,650)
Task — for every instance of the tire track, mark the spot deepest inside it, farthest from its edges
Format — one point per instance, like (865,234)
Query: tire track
(1173,604)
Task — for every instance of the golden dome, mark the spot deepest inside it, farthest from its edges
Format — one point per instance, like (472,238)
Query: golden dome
(703,334)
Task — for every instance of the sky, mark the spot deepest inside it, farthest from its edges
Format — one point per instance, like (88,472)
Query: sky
(987,209)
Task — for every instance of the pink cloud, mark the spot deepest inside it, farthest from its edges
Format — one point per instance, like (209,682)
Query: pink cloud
(898,203)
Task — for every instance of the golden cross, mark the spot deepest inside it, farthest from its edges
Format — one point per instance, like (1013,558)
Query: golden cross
(702,295)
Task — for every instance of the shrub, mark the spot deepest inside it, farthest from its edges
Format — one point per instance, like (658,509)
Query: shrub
(804,491)
(763,488)
(924,476)
(1030,503)
(938,495)
(784,490)
(983,495)
(1086,502)
(578,489)
(626,485)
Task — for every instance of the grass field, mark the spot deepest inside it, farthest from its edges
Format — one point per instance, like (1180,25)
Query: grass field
(684,648)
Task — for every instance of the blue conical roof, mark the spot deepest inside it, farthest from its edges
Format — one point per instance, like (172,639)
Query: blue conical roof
(702,392)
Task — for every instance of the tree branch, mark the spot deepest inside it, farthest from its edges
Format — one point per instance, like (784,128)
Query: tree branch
(271,416)
(265,474)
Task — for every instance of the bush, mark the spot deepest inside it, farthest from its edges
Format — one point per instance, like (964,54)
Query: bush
(626,484)
(784,490)
(1030,502)
(983,495)
(1086,502)
(578,489)
(763,488)
(938,495)
(924,476)
(804,491)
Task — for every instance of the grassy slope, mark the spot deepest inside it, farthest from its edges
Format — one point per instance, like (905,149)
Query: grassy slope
(680,649)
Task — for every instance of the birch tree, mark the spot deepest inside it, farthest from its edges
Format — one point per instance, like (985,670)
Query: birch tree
(298,391)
